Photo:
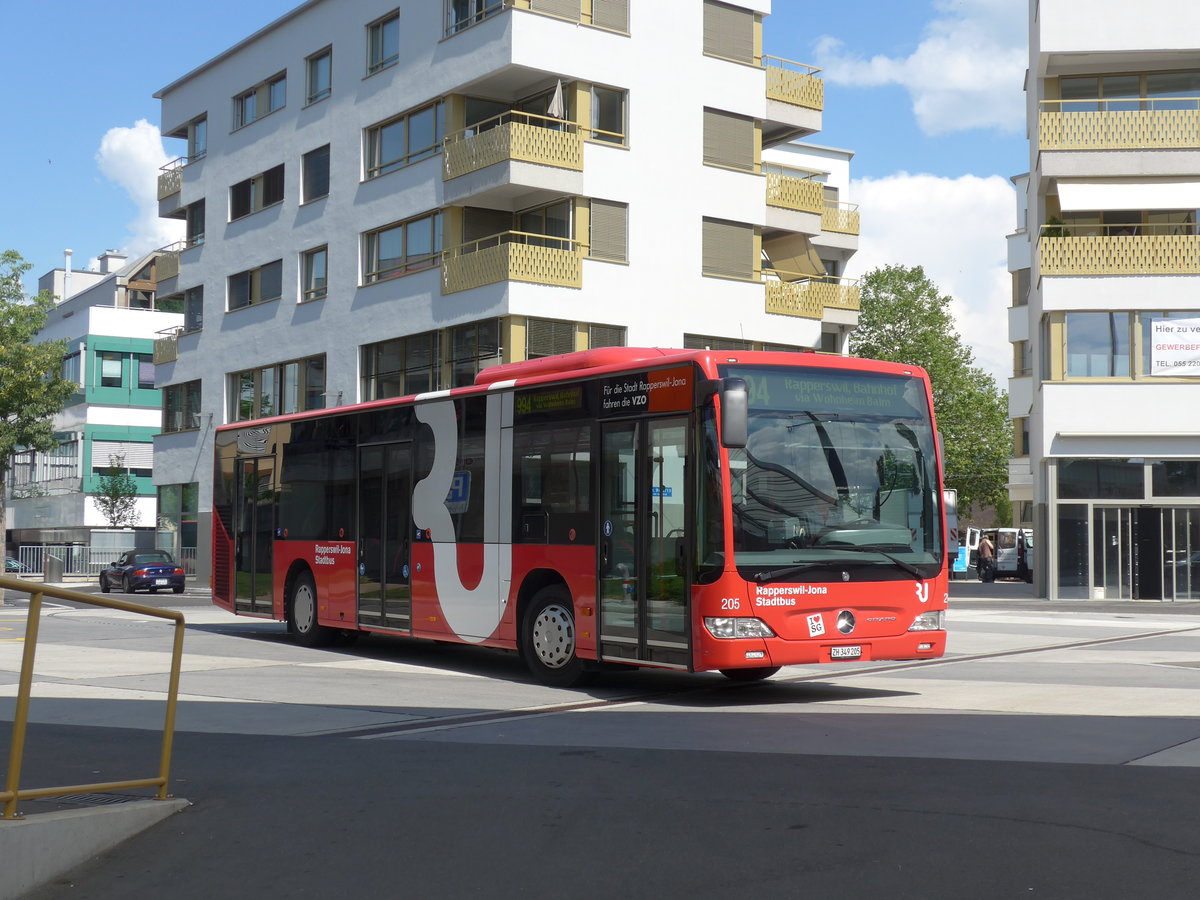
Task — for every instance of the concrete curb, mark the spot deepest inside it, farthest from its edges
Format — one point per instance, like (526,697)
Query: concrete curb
(40,848)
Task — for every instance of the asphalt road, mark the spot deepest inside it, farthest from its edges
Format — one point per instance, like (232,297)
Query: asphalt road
(1051,754)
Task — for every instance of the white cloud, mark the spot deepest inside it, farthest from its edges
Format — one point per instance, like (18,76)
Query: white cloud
(955,229)
(131,158)
(966,72)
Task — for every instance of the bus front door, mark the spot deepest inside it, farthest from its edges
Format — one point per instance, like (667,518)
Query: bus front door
(254,532)
(643,542)
(385,535)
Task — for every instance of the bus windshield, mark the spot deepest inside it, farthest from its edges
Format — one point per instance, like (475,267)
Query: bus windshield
(839,471)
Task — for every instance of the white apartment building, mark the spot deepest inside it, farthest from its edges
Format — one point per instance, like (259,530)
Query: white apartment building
(1106,272)
(381,200)
(110,319)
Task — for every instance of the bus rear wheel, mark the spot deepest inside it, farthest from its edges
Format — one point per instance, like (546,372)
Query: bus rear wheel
(548,638)
(302,614)
(755,674)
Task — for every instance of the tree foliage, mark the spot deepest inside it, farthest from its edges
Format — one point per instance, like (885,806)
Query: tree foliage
(32,390)
(117,495)
(905,318)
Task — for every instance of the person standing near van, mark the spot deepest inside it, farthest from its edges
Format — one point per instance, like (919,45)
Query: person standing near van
(986,565)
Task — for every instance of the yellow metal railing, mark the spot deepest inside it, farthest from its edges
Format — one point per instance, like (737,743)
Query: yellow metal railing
(795,189)
(1119,250)
(793,82)
(1119,124)
(513,135)
(168,260)
(170,179)
(840,217)
(809,296)
(12,792)
(166,348)
(513,256)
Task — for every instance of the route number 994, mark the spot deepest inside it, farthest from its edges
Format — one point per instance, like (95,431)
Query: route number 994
(730,603)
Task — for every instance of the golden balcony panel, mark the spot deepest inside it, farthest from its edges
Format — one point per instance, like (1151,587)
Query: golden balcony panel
(513,135)
(840,217)
(793,82)
(796,189)
(513,256)
(1150,250)
(1127,124)
(170,178)
(166,348)
(790,294)
(167,265)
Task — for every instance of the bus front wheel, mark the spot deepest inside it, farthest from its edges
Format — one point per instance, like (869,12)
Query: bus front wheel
(755,674)
(302,614)
(548,638)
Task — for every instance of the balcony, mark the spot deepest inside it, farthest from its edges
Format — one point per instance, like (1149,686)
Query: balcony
(794,83)
(1127,124)
(513,136)
(840,217)
(170,179)
(166,348)
(513,256)
(1119,250)
(794,189)
(808,297)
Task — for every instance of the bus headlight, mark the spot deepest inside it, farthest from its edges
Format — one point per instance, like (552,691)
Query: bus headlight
(934,620)
(742,627)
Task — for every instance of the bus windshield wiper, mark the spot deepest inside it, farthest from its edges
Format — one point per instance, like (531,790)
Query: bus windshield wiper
(824,564)
(789,570)
(895,560)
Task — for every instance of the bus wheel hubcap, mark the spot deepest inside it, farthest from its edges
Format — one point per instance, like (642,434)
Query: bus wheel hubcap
(554,637)
(303,606)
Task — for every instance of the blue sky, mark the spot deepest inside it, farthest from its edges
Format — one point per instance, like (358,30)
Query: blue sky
(926,92)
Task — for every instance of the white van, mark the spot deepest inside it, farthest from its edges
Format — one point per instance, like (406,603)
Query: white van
(1014,551)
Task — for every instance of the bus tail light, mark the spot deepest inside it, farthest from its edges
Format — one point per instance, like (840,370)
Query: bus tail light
(934,620)
(742,627)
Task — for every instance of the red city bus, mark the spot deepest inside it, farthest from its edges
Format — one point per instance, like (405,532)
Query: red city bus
(686,510)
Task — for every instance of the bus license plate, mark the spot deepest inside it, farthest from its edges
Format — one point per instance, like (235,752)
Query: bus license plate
(161,581)
(854,652)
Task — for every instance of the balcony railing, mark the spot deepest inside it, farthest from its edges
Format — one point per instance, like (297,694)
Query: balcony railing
(840,217)
(795,189)
(513,256)
(1119,250)
(166,348)
(513,135)
(168,260)
(170,179)
(1124,124)
(794,83)
(809,296)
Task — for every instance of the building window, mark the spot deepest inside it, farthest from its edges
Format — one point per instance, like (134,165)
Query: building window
(110,369)
(194,218)
(280,389)
(473,347)
(462,14)
(1022,361)
(193,309)
(255,286)
(608,115)
(181,407)
(552,220)
(1097,345)
(401,366)
(320,75)
(260,100)
(126,457)
(145,370)
(730,141)
(72,369)
(405,139)
(548,337)
(257,193)
(383,43)
(1101,479)
(609,226)
(313,274)
(197,138)
(1020,286)
(1021,436)
(729,33)
(605,336)
(728,249)
(708,342)
(402,248)
(1114,93)
(315,166)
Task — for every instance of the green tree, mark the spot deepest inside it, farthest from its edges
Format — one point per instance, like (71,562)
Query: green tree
(32,390)
(117,495)
(905,318)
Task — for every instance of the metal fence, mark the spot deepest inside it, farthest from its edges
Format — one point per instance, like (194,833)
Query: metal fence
(80,559)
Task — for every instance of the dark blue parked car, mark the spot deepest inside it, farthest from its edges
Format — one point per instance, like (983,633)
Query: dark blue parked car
(151,569)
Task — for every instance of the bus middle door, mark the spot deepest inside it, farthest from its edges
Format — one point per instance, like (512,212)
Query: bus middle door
(385,533)
(643,541)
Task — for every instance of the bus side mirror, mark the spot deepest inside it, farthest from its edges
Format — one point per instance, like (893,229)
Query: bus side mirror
(735,413)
